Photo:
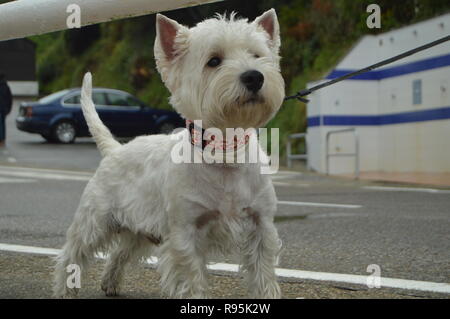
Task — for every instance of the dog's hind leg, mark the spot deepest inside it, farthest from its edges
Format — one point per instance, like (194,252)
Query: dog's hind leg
(130,247)
(86,235)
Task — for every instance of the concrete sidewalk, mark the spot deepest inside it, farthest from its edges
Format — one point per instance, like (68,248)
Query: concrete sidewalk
(441,180)
(416,178)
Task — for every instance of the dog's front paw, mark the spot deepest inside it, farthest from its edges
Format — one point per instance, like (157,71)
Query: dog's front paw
(110,288)
(270,291)
(273,292)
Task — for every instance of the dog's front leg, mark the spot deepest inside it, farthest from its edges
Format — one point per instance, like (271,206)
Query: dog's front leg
(182,263)
(259,256)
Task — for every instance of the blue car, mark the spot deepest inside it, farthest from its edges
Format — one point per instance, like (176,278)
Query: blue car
(59,118)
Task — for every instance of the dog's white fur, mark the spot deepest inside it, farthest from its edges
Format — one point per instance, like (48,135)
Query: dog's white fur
(138,196)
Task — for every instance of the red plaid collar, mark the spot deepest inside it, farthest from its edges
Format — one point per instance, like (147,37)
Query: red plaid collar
(203,138)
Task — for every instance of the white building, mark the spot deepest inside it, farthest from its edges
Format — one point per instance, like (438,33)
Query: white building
(401,111)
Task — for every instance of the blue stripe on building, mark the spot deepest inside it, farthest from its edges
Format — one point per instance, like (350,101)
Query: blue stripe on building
(441,113)
(408,68)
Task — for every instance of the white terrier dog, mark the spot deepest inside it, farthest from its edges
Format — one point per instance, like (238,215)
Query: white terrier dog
(226,73)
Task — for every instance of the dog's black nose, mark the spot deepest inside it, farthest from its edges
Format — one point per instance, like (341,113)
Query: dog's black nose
(253,80)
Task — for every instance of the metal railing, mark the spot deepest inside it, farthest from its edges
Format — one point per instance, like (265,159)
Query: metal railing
(355,154)
(289,154)
(20,19)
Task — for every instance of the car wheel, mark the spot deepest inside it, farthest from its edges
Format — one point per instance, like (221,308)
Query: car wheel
(166,128)
(64,132)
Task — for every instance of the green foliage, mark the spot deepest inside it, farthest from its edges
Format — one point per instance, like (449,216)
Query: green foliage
(315,35)
(78,40)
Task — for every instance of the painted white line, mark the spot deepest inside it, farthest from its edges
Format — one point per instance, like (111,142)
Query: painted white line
(6,180)
(335,215)
(29,249)
(286,175)
(46,176)
(223,267)
(283,202)
(11,159)
(290,173)
(282,272)
(362,280)
(45,170)
(44,173)
(407,189)
(289,184)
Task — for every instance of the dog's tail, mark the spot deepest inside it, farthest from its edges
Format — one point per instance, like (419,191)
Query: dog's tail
(101,134)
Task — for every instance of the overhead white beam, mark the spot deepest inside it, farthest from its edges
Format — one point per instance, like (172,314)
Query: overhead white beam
(24,18)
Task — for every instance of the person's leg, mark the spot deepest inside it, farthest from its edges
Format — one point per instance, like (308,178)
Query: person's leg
(2,130)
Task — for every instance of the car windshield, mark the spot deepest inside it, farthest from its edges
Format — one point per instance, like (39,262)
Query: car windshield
(53,96)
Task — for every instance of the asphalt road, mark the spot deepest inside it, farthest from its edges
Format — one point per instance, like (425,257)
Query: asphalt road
(404,231)
(32,150)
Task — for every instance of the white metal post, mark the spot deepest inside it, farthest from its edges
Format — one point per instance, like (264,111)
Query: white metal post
(24,18)
(290,156)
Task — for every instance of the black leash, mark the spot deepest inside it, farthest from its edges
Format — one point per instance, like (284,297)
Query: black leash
(300,95)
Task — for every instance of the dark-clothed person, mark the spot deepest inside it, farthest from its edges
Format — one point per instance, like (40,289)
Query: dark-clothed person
(5,107)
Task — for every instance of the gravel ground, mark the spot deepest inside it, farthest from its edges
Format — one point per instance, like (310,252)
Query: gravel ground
(29,276)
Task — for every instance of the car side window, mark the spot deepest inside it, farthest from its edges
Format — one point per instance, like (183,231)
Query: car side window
(73,100)
(115,99)
(131,101)
(99,98)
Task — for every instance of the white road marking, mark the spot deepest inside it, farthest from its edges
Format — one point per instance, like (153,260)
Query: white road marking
(29,249)
(362,280)
(407,189)
(335,215)
(289,184)
(45,170)
(11,159)
(41,173)
(289,173)
(44,173)
(282,272)
(285,175)
(290,203)
(5,180)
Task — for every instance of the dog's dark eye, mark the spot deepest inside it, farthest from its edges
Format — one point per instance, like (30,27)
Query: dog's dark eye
(215,61)
(256,56)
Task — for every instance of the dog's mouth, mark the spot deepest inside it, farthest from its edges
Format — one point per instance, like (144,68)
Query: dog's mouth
(254,99)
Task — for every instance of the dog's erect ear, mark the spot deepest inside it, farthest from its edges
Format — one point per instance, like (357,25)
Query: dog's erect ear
(166,34)
(171,42)
(268,21)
